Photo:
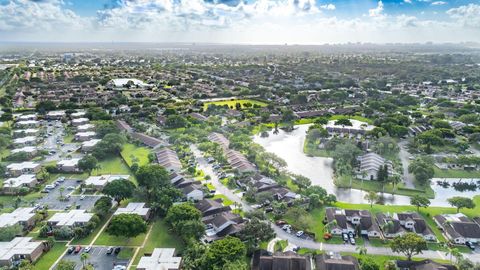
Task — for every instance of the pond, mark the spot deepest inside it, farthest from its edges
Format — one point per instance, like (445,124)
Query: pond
(289,146)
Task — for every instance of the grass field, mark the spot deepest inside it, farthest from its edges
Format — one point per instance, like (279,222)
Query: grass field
(231,103)
(135,154)
(106,239)
(47,259)
(226,201)
(440,173)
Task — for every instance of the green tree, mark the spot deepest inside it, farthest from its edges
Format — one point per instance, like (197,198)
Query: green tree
(119,189)
(88,163)
(152,176)
(419,201)
(343,122)
(176,121)
(256,231)
(461,202)
(102,206)
(422,169)
(127,225)
(409,244)
(185,220)
(371,197)
(110,145)
(224,251)
(66,265)
(367,263)
(84,257)
(7,233)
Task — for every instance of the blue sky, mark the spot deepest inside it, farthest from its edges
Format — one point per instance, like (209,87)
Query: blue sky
(241,21)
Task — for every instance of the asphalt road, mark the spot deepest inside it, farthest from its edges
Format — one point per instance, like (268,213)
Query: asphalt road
(57,130)
(408,178)
(97,257)
(52,198)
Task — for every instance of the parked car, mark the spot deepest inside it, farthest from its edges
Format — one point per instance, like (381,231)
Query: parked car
(280,222)
(70,249)
(286,227)
(351,235)
(470,245)
(70,188)
(117,250)
(352,241)
(82,197)
(345,237)
(77,249)
(87,249)
(299,233)
(49,186)
(109,250)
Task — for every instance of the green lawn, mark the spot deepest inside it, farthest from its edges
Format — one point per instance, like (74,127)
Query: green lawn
(231,103)
(160,237)
(450,173)
(47,259)
(311,149)
(135,154)
(354,117)
(344,182)
(89,238)
(106,239)
(381,259)
(126,254)
(226,201)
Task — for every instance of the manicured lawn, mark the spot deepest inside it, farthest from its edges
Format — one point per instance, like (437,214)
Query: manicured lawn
(231,103)
(112,166)
(47,259)
(135,154)
(344,181)
(106,239)
(226,201)
(160,237)
(354,117)
(280,245)
(440,173)
(126,254)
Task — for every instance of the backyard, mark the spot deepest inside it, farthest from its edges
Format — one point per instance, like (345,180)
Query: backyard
(135,154)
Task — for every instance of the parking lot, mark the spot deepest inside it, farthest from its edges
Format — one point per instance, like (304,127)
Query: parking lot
(54,142)
(51,199)
(97,257)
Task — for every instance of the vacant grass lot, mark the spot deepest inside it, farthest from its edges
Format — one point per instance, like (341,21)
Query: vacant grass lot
(231,103)
(135,154)
(450,173)
(47,259)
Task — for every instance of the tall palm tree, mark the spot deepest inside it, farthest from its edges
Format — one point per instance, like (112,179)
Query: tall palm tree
(395,179)
(84,257)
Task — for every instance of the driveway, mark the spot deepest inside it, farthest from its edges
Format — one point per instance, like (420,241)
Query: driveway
(404,155)
(52,198)
(98,257)
(203,165)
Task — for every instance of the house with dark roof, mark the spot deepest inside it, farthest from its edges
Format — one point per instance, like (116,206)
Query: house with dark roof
(222,225)
(193,192)
(210,208)
(334,261)
(346,220)
(168,159)
(458,228)
(423,265)
(397,224)
(264,260)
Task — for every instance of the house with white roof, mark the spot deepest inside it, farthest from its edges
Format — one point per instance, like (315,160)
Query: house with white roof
(11,185)
(26,117)
(78,114)
(99,182)
(55,115)
(25,141)
(24,216)
(80,121)
(84,136)
(26,167)
(86,127)
(161,258)
(25,132)
(89,145)
(70,219)
(68,165)
(29,150)
(27,124)
(135,208)
(370,164)
(20,248)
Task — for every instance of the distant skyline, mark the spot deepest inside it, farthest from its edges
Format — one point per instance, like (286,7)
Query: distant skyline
(237,21)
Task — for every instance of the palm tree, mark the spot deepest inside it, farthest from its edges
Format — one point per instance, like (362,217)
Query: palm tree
(395,179)
(62,189)
(84,257)
(362,250)
(330,225)
(453,252)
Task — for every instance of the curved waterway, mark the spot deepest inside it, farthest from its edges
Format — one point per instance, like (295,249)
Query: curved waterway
(289,146)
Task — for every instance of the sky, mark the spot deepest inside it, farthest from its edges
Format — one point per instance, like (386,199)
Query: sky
(241,21)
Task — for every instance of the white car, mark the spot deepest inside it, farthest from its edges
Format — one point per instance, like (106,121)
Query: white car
(82,197)
(299,233)
(87,249)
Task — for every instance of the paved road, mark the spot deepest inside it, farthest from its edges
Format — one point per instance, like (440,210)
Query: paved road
(404,155)
(203,165)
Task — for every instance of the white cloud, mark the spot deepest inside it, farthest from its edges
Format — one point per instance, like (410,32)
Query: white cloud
(468,15)
(438,3)
(328,7)
(376,12)
(407,1)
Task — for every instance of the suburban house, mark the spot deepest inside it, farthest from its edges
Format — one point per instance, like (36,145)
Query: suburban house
(55,115)
(161,258)
(334,261)
(198,116)
(284,195)
(458,228)
(423,265)
(223,224)
(370,164)
(148,140)
(13,184)
(357,127)
(86,127)
(25,141)
(345,220)
(27,124)
(135,208)
(26,117)
(26,167)
(99,182)
(68,165)
(18,249)
(29,150)
(397,224)
(84,136)
(168,159)
(210,208)
(220,139)
(89,145)
(79,121)
(124,126)
(259,182)
(77,114)
(193,192)
(72,218)
(264,260)
(25,132)
(24,216)
(238,161)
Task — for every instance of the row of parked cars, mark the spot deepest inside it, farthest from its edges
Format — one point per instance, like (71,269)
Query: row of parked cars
(349,238)
(77,249)
(288,228)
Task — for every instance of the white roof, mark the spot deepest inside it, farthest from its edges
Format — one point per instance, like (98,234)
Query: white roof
(23,165)
(80,120)
(161,259)
(122,81)
(18,215)
(56,113)
(70,218)
(15,182)
(27,117)
(18,246)
(85,127)
(357,125)
(77,114)
(133,208)
(85,134)
(26,149)
(27,122)
(90,143)
(104,179)
(26,131)
(68,162)
(25,139)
